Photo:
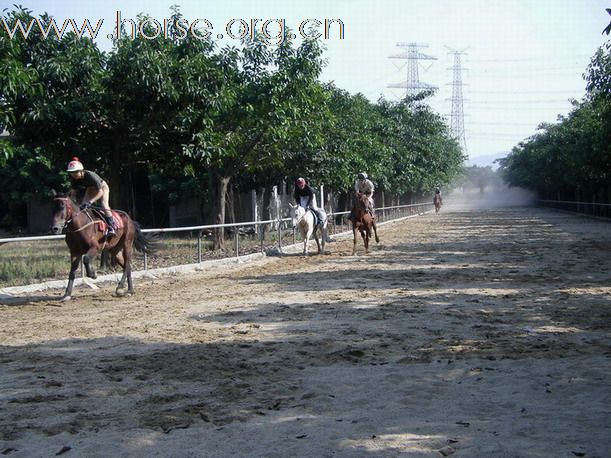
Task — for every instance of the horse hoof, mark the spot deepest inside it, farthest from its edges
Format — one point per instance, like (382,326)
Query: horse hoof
(65,298)
(122,292)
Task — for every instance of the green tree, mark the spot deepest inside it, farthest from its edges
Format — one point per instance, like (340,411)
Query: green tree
(266,92)
(49,104)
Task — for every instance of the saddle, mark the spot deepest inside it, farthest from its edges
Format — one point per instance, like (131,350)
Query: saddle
(102,220)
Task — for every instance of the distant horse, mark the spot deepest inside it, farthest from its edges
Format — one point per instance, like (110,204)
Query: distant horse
(437,202)
(362,221)
(86,235)
(304,219)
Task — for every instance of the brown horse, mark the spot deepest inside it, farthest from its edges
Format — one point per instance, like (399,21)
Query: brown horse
(437,202)
(362,221)
(86,238)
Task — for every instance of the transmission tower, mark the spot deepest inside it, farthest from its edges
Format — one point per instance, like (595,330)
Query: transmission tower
(412,85)
(457,116)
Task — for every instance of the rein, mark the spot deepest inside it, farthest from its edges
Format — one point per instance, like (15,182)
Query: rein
(70,216)
(301,218)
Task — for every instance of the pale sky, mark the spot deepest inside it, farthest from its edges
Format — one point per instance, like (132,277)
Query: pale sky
(524,58)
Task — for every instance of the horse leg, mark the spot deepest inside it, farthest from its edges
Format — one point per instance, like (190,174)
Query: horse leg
(365,235)
(375,231)
(91,253)
(75,260)
(315,232)
(306,241)
(127,271)
(353,239)
(127,275)
(323,236)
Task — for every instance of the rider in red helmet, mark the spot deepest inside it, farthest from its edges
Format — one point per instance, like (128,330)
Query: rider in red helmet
(95,189)
(306,197)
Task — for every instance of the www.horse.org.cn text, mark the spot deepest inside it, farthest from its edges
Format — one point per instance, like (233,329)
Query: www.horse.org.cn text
(269,31)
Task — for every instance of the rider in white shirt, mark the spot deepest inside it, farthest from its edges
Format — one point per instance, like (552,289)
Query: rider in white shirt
(365,186)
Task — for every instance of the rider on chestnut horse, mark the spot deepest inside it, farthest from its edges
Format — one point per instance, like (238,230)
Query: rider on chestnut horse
(364,185)
(95,189)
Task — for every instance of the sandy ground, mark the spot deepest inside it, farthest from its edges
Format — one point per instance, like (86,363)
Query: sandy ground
(473,333)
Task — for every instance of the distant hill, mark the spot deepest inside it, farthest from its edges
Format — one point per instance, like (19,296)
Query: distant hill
(488,160)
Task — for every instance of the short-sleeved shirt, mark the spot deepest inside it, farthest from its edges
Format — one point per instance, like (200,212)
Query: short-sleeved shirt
(89,180)
(364,186)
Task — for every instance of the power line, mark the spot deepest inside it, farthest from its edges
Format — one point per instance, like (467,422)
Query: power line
(511,102)
(513,92)
(534,59)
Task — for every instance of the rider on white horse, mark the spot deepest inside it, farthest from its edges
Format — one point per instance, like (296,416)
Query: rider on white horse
(365,186)
(306,197)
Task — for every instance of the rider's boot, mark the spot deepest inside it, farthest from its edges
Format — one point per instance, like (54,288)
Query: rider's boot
(112,228)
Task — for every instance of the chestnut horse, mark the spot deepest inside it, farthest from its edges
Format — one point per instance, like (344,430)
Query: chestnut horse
(362,221)
(437,202)
(86,238)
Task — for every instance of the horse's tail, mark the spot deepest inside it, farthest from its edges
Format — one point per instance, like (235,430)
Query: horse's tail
(142,242)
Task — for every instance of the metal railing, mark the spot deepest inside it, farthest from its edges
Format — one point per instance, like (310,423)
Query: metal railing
(247,237)
(601,210)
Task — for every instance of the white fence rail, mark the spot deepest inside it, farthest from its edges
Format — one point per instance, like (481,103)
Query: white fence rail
(260,228)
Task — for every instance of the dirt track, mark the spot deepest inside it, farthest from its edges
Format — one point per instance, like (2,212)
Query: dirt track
(469,333)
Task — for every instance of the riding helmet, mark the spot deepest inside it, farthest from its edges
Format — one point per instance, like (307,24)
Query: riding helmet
(74,165)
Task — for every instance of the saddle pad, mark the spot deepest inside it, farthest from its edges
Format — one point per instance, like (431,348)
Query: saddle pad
(118,220)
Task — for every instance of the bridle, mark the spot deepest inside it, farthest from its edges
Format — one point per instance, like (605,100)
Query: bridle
(298,220)
(70,215)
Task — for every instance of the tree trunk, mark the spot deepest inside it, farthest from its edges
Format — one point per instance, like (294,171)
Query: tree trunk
(219,211)
(342,205)
(231,204)
(117,189)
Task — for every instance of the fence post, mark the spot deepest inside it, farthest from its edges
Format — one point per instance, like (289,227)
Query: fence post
(322,196)
(237,241)
(199,247)
(279,217)
(255,209)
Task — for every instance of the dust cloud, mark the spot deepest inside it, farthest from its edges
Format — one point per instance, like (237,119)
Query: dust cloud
(491,197)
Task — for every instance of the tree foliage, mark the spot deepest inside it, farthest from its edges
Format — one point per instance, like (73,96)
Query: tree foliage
(173,118)
(572,158)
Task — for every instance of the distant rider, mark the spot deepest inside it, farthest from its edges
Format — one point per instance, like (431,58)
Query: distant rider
(306,197)
(95,189)
(365,186)
(437,196)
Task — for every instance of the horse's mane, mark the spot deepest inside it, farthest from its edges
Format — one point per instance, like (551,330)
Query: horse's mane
(361,201)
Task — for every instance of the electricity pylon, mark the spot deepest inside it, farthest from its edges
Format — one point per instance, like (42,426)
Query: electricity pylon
(412,85)
(457,116)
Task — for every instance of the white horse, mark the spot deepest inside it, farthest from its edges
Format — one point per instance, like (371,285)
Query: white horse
(304,219)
